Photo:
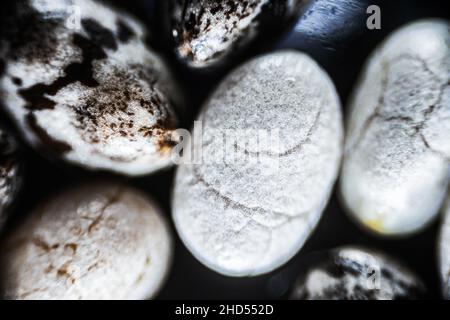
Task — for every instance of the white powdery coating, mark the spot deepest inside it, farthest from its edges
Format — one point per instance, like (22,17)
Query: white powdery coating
(100,241)
(396,163)
(444,251)
(120,133)
(245,218)
(366,278)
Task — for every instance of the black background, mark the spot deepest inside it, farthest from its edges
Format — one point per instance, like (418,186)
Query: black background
(188,278)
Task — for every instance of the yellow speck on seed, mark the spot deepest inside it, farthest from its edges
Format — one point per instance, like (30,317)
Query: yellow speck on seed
(374,224)
(165,149)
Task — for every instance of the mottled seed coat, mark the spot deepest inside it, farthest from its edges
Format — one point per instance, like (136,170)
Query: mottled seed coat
(352,273)
(207,32)
(81,85)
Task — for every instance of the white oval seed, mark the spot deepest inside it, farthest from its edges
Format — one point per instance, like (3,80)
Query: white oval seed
(272,135)
(396,164)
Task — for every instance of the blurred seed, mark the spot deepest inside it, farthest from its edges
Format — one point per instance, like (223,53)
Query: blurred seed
(352,273)
(98,241)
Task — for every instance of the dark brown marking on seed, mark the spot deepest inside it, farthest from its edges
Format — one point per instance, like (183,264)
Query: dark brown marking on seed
(17,81)
(72,246)
(34,95)
(95,223)
(77,71)
(48,143)
(99,34)
(26,294)
(26,33)
(49,268)
(109,202)
(42,244)
(165,141)
(64,272)
(122,89)
(38,242)
(125,33)
(92,267)
(163,131)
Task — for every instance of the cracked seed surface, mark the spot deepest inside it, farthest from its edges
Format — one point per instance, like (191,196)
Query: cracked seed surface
(396,163)
(10,173)
(352,273)
(249,216)
(97,241)
(444,251)
(87,91)
(207,32)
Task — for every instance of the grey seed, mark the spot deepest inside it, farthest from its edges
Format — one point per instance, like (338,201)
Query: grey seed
(396,163)
(11,173)
(81,85)
(97,241)
(352,273)
(209,32)
(249,216)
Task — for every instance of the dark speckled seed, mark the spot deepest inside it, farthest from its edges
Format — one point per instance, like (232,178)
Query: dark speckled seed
(94,94)
(208,32)
(352,273)
(10,173)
